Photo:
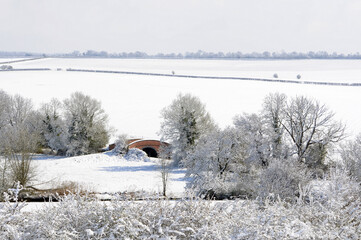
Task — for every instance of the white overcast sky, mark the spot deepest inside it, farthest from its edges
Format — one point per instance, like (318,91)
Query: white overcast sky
(152,26)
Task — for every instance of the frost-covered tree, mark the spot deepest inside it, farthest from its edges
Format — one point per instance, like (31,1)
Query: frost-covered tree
(217,163)
(311,127)
(351,156)
(19,139)
(271,171)
(273,116)
(264,132)
(86,124)
(185,120)
(252,127)
(53,126)
(18,110)
(4,103)
(4,165)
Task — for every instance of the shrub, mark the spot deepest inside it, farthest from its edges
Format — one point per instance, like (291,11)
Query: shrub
(85,218)
(6,67)
(82,217)
(282,179)
(121,144)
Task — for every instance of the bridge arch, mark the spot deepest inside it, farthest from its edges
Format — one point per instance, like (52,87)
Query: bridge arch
(151,147)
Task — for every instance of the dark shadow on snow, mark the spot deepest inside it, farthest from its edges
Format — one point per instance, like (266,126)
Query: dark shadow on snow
(146,169)
(178,171)
(130,169)
(41,157)
(182,179)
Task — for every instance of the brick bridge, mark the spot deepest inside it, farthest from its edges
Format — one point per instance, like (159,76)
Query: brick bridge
(151,147)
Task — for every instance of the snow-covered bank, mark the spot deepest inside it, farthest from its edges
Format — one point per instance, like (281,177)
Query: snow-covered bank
(106,173)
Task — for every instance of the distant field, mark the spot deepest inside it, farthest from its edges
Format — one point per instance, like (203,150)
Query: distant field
(134,102)
(310,70)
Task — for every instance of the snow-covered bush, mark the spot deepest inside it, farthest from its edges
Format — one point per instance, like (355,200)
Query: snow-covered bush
(216,165)
(11,218)
(6,67)
(334,207)
(5,176)
(121,144)
(19,143)
(137,155)
(83,217)
(76,217)
(283,179)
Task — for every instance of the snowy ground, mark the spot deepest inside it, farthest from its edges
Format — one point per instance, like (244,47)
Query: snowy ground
(106,173)
(134,102)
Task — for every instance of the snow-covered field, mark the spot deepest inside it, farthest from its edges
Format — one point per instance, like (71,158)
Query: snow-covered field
(107,173)
(134,102)
(311,70)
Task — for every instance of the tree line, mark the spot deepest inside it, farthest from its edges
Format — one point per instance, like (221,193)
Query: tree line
(287,144)
(194,55)
(276,151)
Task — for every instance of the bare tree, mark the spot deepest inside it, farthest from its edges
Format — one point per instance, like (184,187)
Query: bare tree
(308,123)
(18,146)
(165,166)
(18,110)
(19,139)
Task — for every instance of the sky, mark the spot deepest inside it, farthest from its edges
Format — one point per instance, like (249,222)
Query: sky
(154,26)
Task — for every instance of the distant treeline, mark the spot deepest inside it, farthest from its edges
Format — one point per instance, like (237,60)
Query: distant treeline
(193,55)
